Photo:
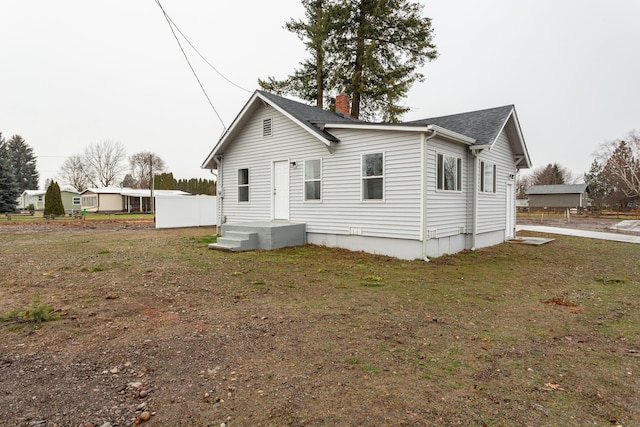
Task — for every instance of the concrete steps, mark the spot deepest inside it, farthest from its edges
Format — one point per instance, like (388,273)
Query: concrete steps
(264,235)
(236,241)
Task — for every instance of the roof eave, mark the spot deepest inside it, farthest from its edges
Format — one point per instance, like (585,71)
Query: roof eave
(448,134)
(243,115)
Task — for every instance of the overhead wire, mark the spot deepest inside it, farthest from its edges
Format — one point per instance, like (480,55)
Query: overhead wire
(205,59)
(169,22)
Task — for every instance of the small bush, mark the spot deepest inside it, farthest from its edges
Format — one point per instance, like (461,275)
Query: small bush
(35,312)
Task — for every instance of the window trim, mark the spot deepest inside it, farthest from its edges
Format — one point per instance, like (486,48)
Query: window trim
(305,180)
(483,170)
(363,177)
(440,160)
(73,201)
(247,185)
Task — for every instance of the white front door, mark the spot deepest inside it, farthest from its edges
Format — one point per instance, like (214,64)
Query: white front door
(281,190)
(510,212)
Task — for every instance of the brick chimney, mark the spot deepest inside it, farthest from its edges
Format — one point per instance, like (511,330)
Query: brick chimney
(343,104)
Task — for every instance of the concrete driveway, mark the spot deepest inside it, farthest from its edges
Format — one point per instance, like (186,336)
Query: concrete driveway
(615,237)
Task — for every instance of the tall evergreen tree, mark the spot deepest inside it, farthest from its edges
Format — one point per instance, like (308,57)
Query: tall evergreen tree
(622,173)
(370,49)
(597,183)
(8,188)
(551,174)
(53,200)
(23,161)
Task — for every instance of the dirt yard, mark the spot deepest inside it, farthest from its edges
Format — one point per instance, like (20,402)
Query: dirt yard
(155,329)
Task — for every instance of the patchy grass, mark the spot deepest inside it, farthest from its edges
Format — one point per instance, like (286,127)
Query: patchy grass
(508,335)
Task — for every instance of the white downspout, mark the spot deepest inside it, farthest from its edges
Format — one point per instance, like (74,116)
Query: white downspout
(423,185)
(474,222)
(219,191)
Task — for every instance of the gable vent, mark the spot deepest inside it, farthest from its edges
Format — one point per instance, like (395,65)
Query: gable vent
(267,127)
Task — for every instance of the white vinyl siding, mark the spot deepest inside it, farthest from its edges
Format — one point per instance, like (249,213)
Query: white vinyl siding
(447,211)
(341,207)
(492,205)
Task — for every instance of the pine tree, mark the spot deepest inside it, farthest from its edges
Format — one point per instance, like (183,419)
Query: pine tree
(53,200)
(9,192)
(23,161)
(597,183)
(370,49)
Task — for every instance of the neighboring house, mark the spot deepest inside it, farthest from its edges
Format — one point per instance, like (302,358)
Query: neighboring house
(559,196)
(35,197)
(410,190)
(70,200)
(111,199)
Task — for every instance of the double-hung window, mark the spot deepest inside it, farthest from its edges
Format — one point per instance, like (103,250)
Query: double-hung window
(449,174)
(373,176)
(313,179)
(487,177)
(243,185)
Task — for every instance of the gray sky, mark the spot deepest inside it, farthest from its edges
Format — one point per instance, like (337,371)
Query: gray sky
(77,72)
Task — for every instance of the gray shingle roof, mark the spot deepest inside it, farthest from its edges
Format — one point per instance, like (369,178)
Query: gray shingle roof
(309,115)
(482,125)
(558,189)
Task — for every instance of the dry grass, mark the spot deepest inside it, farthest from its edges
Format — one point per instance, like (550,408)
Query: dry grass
(509,335)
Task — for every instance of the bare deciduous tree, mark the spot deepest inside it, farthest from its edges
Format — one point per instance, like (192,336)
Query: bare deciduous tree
(106,161)
(144,164)
(620,160)
(74,172)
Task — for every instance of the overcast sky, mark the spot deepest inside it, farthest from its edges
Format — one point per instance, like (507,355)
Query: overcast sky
(77,72)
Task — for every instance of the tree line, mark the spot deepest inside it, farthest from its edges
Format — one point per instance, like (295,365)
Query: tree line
(99,165)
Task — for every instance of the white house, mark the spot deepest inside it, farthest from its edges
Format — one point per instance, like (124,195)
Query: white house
(410,190)
(32,197)
(115,199)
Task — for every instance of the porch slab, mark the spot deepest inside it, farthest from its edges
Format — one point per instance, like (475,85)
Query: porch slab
(526,240)
(270,235)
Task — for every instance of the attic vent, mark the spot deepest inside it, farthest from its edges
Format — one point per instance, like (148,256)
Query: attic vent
(266,127)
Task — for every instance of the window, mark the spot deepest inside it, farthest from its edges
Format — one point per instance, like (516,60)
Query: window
(267,127)
(76,201)
(373,176)
(449,173)
(90,201)
(312,179)
(487,177)
(243,185)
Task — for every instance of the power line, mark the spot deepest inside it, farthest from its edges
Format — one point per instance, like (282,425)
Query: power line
(189,62)
(205,59)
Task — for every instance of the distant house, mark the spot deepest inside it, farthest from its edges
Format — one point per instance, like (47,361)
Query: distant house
(559,196)
(410,190)
(32,197)
(111,199)
(70,200)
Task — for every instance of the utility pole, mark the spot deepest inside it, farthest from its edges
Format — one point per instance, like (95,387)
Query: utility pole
(151,184)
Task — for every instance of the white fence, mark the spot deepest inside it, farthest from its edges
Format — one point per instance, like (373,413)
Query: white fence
(185,211)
